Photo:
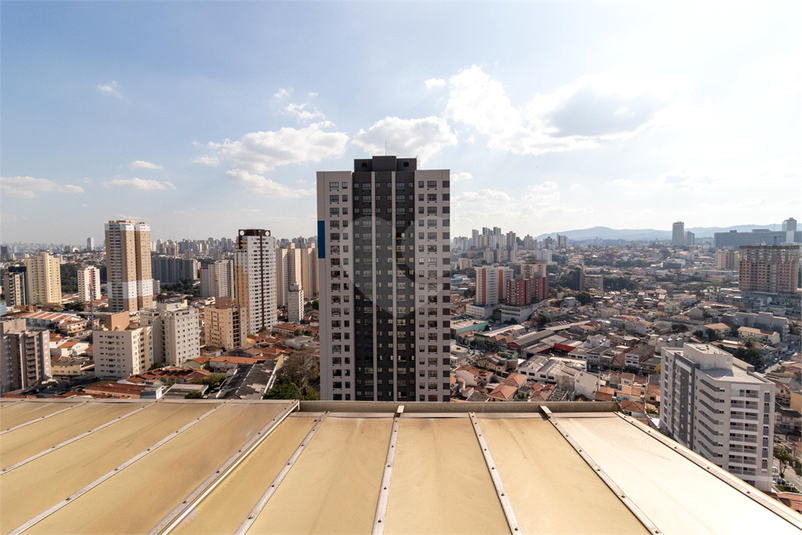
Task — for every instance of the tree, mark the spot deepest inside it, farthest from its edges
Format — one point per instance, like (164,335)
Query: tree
(315,305)
(551,268)
(156,366)
(750,355)
(213,380)
(69,278)
(679,328)
(77,306)
(583,297)
(194,395)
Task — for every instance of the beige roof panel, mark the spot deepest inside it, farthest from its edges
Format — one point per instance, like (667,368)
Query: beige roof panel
(223,510)
(542,473)
(441,482)
(21,412)
(679,496)
(334,485)
(38,436)
(142,494)
(36,486)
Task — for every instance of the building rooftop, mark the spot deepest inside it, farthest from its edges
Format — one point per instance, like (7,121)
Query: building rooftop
(204,466)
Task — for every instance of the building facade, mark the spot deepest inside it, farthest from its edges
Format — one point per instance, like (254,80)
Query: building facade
(171,269)
(89,284)
(288,272)
(128,268)
(678,233)
(15,287)
(24,356)
(769,268)
(295,303)
(519,292)
(43,274)
(217,279)
(226,324)
(717,406)
(384,258)
(175,331)
(255,277)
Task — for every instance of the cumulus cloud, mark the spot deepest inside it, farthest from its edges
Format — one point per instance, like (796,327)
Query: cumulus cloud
(685,179)
(110,89)
(259,184)
(211,161)
(140,164)
(138,184)
(28,187)
(596,108)
(484,196)
(459,177)
(435,82)
(303,112)
(422,137)
(281,93)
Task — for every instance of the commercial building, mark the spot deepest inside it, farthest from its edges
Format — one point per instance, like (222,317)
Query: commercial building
(769,268)
(43,275)
(758,236)
(717,406)
(226,324)
(88,284)
(24,356)
(119,350)
(384,253)
(255,277)
(15,287)
(176,332)
(128,269)
(217,279)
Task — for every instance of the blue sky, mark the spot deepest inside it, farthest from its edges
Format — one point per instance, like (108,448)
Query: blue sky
(202,118)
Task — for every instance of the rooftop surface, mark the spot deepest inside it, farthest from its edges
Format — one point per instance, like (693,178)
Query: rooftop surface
(203,466)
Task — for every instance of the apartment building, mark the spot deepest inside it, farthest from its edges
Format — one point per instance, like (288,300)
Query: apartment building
(288,272)
(128,268)
(384,257)
(15,287)
(120,351)
(769,268)
(24,355)
(295,303)
(226,324)
(175,331)
(43,275)
(717,406)
(255,277)
(519,292)
(217,279)
(89,284)
(491,284)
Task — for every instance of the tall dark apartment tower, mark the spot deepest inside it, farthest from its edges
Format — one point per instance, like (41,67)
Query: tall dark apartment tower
(384,259)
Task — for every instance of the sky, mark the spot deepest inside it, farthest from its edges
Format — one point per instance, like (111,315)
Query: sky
(201,118)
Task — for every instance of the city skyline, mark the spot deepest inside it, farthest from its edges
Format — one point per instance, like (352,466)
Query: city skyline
(180,115)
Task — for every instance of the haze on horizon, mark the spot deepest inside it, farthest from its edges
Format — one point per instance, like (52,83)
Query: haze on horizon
(202,118)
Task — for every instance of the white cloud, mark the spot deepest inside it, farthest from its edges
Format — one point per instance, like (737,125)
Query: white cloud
(459,177)
(282,93)
(485,195)
(110,89)
(140,164)
(87,180)
(265,186)
(311,94)
(435,82)
(303,112)
(596,108)
(138,184)
(211,161)
(28,187)
(420,137)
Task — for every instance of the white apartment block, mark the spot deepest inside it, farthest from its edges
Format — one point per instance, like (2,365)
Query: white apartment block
(43,274)
(217,279)
(288,272)
(384,258)
(122,353)
(89,284)
(717,406)
(255,277)
(295,303)
(176,332)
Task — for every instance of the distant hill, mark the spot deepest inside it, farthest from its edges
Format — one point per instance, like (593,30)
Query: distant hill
(607,233)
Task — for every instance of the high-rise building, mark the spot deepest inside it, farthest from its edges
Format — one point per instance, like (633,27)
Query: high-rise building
(678,233)
(119,350)
(540,289)
(487,285)
(295,303)
(225,324)
(562,241)
(727,259)
(789,225)
(309,280)
(690,238)
(24,355)
(176,332)
(88,284)
(255,277)
(384,259)
(15,287)
(288,272)
(43,274)
(769,268)
(128,268)
(171,269)
(519,292)
(531,269)
(717,406)
(217,279)
(90,244)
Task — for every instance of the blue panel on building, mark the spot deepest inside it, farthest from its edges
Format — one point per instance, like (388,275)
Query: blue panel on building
(321,239)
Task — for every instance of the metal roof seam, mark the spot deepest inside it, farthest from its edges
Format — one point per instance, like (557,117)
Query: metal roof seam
(74,439)
(628,502)
(755,494)
(506,505)
(46,513)
(380,517)
(174,517)
(260,505)
(75,404)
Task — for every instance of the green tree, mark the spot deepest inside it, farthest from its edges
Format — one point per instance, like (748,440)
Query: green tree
(194,395)
(69,278)
(213,380)
(156,366)
(750,355)
(679,328)
(584,298)
(315,305)
(77,306)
